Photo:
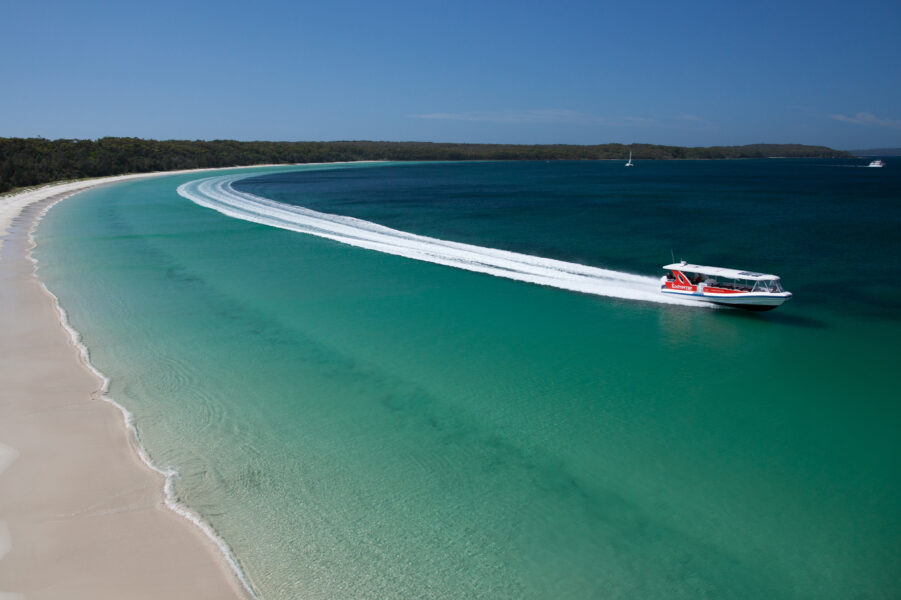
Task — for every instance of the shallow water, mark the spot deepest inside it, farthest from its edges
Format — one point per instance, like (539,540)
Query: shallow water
(360,425)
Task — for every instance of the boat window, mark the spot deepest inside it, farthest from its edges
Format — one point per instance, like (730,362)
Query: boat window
(760,286)
(776,286)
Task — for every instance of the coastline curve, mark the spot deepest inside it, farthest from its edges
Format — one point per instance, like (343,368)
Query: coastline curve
(49,196)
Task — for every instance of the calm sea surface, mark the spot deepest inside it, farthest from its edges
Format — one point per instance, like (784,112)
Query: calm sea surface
(361,425)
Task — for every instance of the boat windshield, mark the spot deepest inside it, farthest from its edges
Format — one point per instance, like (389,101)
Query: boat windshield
(773,286)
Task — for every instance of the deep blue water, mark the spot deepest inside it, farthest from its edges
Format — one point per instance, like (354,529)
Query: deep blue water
(830,228)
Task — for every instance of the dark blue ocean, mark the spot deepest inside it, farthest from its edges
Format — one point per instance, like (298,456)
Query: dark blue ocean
(828,224)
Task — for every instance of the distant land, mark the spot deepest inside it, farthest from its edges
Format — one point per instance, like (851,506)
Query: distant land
(877,152)
(32,161)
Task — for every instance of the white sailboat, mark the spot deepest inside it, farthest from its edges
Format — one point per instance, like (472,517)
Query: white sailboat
(629,164)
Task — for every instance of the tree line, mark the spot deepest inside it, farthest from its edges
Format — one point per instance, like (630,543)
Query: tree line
(33,161)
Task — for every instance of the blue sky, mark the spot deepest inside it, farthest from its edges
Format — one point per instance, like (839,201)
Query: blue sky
(696,73)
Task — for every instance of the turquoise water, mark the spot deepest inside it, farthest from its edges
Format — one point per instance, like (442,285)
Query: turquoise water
(361,425)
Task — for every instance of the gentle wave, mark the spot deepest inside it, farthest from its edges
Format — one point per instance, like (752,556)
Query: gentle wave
(218,194)
(169,474)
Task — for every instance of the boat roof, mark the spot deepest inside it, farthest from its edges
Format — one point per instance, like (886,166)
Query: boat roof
(719,272)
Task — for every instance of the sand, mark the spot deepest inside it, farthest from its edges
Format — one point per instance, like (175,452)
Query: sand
(81,516)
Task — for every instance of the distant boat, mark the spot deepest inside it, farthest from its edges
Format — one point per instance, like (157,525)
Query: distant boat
(877,163)
(629,164)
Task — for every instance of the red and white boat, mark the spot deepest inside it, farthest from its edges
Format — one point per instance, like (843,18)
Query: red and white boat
(729,287)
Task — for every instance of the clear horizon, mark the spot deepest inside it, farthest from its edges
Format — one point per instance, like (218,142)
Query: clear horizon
(705,74)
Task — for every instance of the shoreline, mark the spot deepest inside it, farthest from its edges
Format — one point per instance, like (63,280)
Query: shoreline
(83,510)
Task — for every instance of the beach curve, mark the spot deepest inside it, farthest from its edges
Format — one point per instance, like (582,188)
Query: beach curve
(83,510)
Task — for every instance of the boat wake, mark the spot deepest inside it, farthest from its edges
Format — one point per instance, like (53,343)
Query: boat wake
(218,194)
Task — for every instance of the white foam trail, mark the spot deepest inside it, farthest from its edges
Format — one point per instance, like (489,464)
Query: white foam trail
(217,193)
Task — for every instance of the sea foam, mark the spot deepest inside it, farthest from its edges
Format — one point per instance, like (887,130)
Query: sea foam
(218,194)
(169,474)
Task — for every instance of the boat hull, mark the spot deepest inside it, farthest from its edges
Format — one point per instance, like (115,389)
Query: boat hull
(757,301)
(754,307)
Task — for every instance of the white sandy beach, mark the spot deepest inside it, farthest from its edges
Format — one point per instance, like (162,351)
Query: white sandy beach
(81,515)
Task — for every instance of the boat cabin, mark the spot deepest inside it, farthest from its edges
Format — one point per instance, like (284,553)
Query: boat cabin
(688,277)
(727,280)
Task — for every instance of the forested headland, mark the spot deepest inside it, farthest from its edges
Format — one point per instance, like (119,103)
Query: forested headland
(33,161)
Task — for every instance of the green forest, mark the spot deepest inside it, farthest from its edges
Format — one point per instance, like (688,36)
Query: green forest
(32,161)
